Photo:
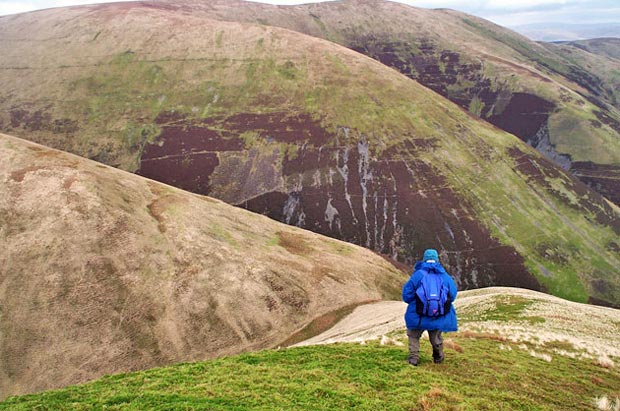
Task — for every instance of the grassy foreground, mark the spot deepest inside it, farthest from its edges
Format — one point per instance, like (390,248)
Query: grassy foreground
(481,372)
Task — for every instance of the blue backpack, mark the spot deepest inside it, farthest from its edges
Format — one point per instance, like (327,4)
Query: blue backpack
(432,296)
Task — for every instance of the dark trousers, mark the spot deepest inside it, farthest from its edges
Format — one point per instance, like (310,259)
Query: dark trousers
(414,344)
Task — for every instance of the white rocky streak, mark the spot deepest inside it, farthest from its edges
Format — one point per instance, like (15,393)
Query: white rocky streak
(395,204)
(291,204)
(449,230)
(346,131)
(344,173)
(473,278)
(331,212)
(376,213)
(409,169)
(365,177)
(395,241)
(316,178)
(301,220)
(394,214)
(385,222)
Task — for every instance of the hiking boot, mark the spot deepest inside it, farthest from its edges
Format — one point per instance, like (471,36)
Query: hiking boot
(438,354)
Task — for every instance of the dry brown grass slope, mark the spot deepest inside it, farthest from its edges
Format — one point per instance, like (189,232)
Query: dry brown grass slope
(103,271)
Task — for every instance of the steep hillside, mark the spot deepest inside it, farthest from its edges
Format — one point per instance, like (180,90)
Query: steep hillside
(102,271)
(310,133)
(483,369)
(564,107)
(601,58)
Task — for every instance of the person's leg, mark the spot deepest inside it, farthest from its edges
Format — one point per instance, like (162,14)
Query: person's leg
(414,345)
(437,342)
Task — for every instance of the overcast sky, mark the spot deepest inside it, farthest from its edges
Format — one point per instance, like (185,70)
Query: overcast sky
(504,12)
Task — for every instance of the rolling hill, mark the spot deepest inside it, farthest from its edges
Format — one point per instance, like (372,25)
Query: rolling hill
(566,107)
(558,363)
(308,132)
(605,46)
(103,271)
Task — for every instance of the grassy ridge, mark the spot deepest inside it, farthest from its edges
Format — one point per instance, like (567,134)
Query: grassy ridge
(576,82)
(480,372)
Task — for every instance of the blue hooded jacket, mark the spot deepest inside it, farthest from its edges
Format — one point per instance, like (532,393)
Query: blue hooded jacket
(446,322)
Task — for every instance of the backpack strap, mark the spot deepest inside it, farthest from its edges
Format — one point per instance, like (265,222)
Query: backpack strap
(424,272)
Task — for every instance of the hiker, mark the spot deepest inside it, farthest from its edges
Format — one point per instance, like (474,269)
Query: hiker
(433,313)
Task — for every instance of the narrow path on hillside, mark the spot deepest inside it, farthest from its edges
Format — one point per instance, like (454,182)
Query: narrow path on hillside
(366,322)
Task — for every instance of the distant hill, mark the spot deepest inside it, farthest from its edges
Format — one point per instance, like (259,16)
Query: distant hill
(103,271)
(607,47)
(569,110)
(516,350)
(317,135)
(567,32)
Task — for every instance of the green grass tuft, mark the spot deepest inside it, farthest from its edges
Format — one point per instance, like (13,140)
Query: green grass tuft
(505,308)
(219,233)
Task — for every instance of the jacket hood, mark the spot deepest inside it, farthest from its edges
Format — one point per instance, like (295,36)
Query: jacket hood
(430,267)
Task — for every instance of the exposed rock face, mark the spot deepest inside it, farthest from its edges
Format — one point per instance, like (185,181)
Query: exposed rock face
(541,143)
(335,185)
